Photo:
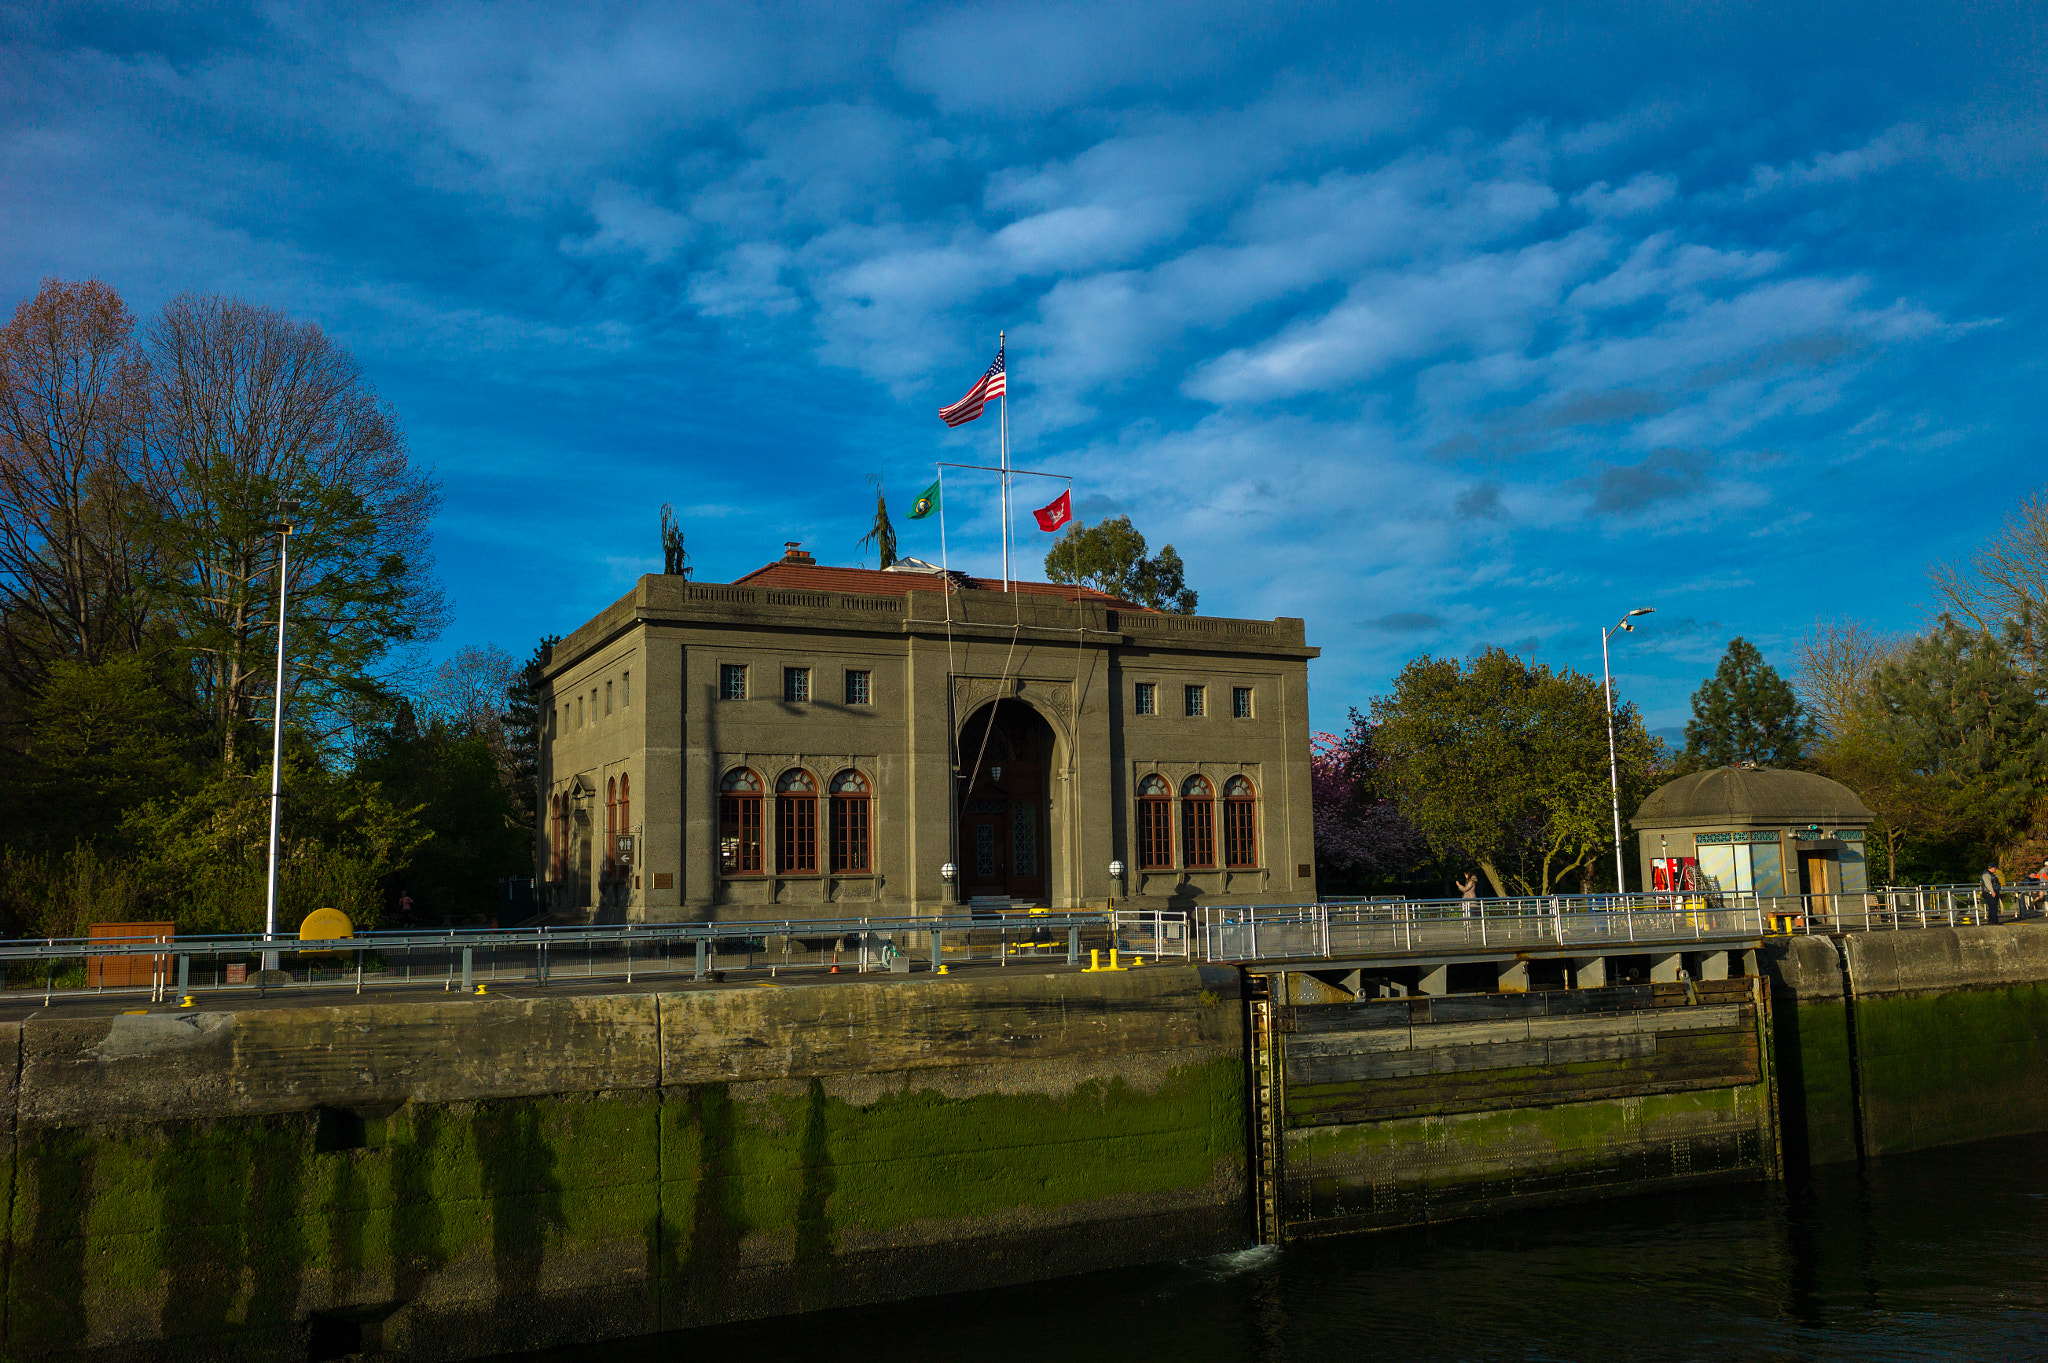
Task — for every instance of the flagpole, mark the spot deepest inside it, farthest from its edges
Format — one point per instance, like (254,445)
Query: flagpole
(1004,416)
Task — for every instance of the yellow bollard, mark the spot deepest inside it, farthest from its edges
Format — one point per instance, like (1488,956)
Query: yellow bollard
(479,989)
(1112,960)
(1094,958)
(185,1002)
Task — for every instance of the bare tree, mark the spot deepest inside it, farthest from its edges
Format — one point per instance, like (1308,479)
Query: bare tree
(73,558)
(252,419)
(1835,665)
(2006,580)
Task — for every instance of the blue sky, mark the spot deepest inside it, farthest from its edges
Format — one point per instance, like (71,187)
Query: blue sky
(1439,326)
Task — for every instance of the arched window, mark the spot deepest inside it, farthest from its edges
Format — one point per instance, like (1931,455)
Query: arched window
(739,823)
(1197,823)
(626,805)
(1240,823)
(796,822)
(558,835)
(1155,824)
(850,842)
(611,823)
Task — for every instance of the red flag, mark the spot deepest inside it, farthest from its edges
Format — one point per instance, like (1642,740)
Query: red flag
(1058,514)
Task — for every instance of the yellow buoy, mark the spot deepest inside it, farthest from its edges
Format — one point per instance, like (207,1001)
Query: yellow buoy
(325,925)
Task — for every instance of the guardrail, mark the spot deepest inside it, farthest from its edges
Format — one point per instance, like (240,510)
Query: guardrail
(1346,928)
(1404,927)
(468,957)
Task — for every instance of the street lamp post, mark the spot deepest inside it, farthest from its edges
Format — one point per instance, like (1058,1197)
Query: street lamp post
(284,535)
(1613,769)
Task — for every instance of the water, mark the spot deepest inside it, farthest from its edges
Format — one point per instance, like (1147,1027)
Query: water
(1933,1255)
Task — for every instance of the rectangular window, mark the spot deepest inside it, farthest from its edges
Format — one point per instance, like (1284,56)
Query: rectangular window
(626,691)
(593,705)
(857,692)
(1240,702)
(732,681)
(1196,699)
(796,683)
(1147,699)
(579,712)
(607,697)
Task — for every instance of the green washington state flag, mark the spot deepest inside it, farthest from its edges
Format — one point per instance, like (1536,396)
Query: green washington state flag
(926,503)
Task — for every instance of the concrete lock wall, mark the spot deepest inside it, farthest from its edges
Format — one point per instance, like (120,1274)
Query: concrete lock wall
(477,1176)
(463,1176)
(1894,1041)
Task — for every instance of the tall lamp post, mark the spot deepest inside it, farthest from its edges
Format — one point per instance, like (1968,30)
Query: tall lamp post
(284,535)
(1613,769)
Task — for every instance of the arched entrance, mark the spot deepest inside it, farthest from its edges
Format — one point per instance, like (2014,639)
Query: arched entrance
(1006,809)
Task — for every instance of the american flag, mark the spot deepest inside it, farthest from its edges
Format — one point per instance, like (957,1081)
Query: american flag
(989,385)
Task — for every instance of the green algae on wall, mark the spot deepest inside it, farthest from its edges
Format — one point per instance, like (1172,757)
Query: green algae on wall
(230,1231)
(786,1174)
(1413,1170)
(1942,1069)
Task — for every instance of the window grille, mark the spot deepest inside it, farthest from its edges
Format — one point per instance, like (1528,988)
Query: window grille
(796,823)
(1241,702)
(732,681)
(850,823)
(857,692)
(796,683)
(1197,823)
(1155,824)
(1146,698)
(1240,823)
(1196,699)
(739,823)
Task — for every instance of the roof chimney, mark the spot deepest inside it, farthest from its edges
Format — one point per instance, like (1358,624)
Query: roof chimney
(793,552)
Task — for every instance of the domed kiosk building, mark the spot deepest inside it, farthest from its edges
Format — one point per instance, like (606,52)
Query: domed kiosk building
(1752,828)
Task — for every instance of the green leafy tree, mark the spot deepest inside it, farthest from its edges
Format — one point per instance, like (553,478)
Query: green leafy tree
(524,722)
(208,851)
(1746,712)
(1956,723)
(1503,765)
(251,418)
(104,738)
(476,833)
(1110,557)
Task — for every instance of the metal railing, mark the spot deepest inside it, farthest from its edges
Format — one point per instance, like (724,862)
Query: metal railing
(1339,929)
(468,957)
(1451,926)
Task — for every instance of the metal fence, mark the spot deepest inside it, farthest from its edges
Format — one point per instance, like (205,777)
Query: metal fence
(1451,926)
(1348,928)
(471,957)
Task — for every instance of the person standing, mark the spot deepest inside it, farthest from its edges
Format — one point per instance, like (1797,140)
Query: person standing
(1991,885)
(1468,890)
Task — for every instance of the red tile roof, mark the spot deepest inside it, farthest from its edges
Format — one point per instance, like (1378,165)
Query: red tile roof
(810,577)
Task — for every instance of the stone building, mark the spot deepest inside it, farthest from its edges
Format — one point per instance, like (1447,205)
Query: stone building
(800,742)
(1754,828)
